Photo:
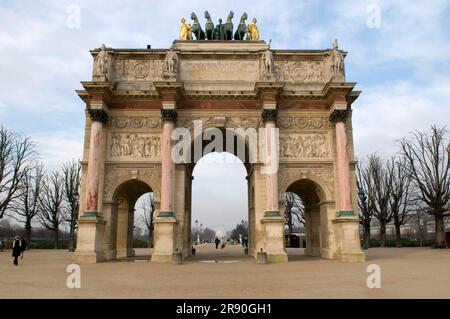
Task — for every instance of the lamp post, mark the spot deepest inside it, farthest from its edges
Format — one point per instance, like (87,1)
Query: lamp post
(201,230)
(75,198)
(196,230)
(362,198)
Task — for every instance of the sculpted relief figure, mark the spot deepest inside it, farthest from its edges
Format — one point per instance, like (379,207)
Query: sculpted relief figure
(135,145)
(171,63)
(337,60)
(268,65)
(102,62)
(304,146)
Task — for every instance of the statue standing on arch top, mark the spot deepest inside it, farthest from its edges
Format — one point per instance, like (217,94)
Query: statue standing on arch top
(253,31)
(336,60)
(229,26)
(185,31)
(102,68)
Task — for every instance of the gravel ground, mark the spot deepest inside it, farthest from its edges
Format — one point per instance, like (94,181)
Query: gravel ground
(405,273)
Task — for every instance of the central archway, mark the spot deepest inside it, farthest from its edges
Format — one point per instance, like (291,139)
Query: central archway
(220,202)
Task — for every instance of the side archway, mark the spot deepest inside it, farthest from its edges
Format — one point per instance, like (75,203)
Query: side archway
(119,207)
(318,213)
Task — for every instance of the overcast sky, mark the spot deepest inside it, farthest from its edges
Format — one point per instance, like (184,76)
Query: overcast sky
(401,63)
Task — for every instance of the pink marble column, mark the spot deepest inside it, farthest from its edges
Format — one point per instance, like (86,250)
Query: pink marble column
(98,117)
(167,165)
(339,117)
(271,168)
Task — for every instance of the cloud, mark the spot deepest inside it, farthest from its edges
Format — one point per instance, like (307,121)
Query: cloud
(387,113)
(403,68)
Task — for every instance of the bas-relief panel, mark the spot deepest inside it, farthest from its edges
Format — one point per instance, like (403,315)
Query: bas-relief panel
(304,146)
(219,70)
(134,146)
(138,69)
(302,71)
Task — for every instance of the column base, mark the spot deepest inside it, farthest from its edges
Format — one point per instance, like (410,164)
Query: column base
(161,258)
(353,258)
(346,213)
(273,230)
(110,254)
(164,239)
(348,241)
(88,257)
(122,253)
(277,258)
(90,239)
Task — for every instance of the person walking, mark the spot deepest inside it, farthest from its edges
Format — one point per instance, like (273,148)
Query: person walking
(24,246)
(16,249)
(217,242)
(223,243)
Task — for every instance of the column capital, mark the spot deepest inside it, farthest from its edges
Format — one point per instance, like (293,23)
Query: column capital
(98,115)
(269,115)
(339,116)
(169,115)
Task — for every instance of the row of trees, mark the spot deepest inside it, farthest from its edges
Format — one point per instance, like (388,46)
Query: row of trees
(414,182)
(28,194)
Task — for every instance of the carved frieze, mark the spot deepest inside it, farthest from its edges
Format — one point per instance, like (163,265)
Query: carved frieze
(304,146)
(138,69)
(134,146)
(302,71)
(304,122)
(134,122)
(242,122)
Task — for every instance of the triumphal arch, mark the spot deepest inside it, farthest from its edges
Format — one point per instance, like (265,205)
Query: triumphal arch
(138,98)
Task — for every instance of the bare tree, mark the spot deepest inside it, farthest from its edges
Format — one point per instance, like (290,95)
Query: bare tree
(25,207)
(400,200)
(148,208)
(17,154)
(294,211)
(51,203)
(72,177)
(380,190)
(209,234)
(365,199)
(428,161)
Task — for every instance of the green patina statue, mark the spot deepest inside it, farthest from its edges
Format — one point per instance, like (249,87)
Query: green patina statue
(222,31)
(219,31)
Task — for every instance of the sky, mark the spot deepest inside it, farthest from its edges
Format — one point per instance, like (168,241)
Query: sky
(399,54)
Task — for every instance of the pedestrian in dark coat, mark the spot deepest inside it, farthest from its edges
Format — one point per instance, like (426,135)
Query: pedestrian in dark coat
(217,242)
(16,249)
(24,245)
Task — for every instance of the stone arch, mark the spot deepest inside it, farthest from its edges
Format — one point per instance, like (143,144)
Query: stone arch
(324,187)
(318,210)
(118,179)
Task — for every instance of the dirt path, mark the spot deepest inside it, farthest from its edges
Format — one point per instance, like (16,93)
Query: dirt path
(406,273)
